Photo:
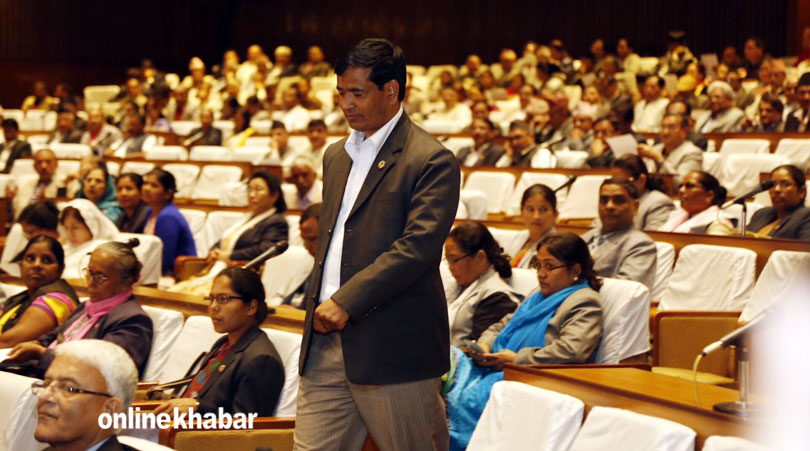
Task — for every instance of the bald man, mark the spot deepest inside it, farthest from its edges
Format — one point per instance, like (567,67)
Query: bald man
(29,189)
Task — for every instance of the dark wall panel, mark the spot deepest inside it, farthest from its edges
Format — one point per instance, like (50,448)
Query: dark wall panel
(94,41)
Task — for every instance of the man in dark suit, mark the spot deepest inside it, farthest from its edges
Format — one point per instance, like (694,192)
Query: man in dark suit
(66,131)
(206,134)
(13,148)
(485,152)
(376,335)
(798,120)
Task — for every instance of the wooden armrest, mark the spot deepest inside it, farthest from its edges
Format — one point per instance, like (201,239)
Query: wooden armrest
(186,266)
(552,366)
(146,406)
(145,385)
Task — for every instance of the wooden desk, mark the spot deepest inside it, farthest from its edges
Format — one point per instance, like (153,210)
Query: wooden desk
(642,392)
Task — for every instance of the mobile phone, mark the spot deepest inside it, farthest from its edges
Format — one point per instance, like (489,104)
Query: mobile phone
(474,346)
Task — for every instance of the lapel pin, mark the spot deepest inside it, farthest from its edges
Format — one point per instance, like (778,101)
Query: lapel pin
(381,164)
(221,368)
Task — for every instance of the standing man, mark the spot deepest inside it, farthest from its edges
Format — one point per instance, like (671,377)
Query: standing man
(376,336)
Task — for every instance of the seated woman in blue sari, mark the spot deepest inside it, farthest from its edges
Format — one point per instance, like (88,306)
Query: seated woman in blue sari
(562,323)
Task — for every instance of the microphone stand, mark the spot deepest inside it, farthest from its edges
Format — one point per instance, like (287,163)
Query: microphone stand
(742,408)
(743,218)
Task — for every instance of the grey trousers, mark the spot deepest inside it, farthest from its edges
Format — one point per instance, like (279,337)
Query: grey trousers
(335,414)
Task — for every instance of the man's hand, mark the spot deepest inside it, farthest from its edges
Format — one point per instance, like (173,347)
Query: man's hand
(645,150)
(26,350)
(329,317)
(598,147)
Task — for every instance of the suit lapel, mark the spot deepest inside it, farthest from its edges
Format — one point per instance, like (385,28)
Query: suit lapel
(341,168)
(386,159)
(233,356)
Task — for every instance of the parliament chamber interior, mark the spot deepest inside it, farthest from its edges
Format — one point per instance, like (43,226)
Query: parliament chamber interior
(669,141)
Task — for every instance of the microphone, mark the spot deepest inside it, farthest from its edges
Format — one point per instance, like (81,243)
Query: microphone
(764,186)
(267,255)
(728,339)
(569,182)
(193,138)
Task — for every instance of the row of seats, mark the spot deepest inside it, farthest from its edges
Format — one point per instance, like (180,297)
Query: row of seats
(520,416)
(704,277)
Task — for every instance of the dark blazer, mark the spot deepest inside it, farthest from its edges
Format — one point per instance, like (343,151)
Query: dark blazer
(258,239)
(127,326)
(794,226)
(251,380)
(211,137)
(136,223)
(74,136)
(398,329)
(20,149)
(794,122)
(492,153)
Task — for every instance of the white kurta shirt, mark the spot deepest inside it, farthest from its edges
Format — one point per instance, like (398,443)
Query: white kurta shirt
(363,151)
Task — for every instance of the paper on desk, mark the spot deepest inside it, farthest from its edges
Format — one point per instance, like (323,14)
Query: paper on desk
(710,62)
(623,145)
(4,353)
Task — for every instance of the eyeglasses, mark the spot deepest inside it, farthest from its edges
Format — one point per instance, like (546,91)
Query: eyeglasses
(538,266)
(453,261)
(63,389)
(221,299)
(95,277)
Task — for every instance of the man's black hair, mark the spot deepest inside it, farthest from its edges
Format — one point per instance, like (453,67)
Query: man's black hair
(387,62)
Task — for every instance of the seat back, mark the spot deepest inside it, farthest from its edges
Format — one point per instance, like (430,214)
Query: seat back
(216,223)
(212,178)
(571,158)
(497,186)
(294,230)
(740,171)
(22,167)
(184,128)
(528,179)
(166,325)
(457,143)
(288,346)
(664,260)
(71,151)
(679,336)
(149,252)
(178,153)
(519,416)
(711,164)
(249,153)
(611,429)
(625,320)
(196,222)
(138,167)
(284,273)
(778,278)
(721,443)
(18,417)
(583,198)
(796,150)
(196,336)
(730,146)
(185,175)
(511,240)
(210,153)
(708,277)
(474,204)
(523,281)
(226,127)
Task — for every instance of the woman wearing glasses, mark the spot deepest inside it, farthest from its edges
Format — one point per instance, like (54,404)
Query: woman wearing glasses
(48,300)
(560,324)
(111,314)
(242,373)
(480,296)
(788,218)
